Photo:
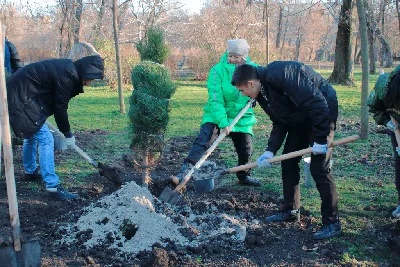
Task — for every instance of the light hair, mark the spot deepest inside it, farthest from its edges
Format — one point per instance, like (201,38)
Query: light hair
(80,50)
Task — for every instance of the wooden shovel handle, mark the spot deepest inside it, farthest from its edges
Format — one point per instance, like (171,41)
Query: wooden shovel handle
(75,147)
(397,131)
(212,147)
(294,154)
(7,149)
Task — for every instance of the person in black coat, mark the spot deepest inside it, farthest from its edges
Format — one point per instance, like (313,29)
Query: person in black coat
(38,91)
(303,108)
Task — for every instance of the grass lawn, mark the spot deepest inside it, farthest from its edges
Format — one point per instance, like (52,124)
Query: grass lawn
(363,170)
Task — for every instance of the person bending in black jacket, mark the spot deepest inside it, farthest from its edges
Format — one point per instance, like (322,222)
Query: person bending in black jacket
(38,91)
(303,108)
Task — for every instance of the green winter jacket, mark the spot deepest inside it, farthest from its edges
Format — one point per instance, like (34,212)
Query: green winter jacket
(225,101)
(383,102)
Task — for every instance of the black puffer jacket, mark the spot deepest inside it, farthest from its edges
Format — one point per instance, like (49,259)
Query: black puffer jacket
(42,89)
(295,96)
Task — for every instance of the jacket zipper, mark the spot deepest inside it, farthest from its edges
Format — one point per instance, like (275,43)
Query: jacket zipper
(269,106)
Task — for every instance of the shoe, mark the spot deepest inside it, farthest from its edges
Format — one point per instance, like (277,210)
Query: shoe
(285,216)
(34,177)
(328,231)
(249,181)
(186,167)
(59,192)
(396,212)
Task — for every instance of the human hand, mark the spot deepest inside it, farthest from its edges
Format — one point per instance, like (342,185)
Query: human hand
(318,149)
(263,162)
(70,141)
(226,130)
(391,126)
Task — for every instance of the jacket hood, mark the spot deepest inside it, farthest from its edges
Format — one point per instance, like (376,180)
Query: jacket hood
(90,68)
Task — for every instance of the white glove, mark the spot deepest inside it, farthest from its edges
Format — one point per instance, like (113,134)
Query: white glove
(262,161)
(70,141)
(398,150)
(318,149)
(391,126)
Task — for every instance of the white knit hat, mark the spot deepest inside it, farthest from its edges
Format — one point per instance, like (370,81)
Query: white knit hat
(238,46)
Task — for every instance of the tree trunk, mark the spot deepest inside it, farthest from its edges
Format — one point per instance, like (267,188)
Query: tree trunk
(398,12)
(279,34)
(145,170)
(266,14)
(355,60)
(298,43)
(371,50)
(382,8)
(342,74)
(365,74)
(78,16)
(117,57)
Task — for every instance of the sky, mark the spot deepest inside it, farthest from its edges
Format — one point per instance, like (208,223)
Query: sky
(193,6)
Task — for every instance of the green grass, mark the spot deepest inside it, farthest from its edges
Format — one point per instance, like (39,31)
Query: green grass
(367,192)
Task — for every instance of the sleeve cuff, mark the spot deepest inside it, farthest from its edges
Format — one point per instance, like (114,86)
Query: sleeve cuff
(68,134)
(322,140)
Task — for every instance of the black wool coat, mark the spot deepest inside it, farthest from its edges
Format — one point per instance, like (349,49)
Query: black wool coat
(42,89)
(295,96)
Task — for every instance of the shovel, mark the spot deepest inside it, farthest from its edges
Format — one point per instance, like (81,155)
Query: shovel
(290,155)
(20,254)
(104,170)
(173,196)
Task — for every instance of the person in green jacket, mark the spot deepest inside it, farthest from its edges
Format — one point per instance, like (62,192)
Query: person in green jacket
(384,103)
(224,103)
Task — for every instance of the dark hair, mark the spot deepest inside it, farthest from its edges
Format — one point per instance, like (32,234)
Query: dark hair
(243,74)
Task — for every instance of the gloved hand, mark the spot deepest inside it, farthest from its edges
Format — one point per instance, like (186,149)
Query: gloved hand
(262,161)
(391,126)
(318,149)
(398,151)
(70,141)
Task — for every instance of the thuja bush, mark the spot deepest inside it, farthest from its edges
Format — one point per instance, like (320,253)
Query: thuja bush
(149,107)
(152,47)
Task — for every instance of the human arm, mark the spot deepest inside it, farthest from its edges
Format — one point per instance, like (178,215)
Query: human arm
(216,102)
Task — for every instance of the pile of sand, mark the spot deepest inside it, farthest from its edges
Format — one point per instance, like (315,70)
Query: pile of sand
(129,208)
(132,220)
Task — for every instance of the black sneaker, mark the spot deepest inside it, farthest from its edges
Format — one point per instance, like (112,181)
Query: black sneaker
(34,177)
(285,216)
(249,181)
(186,167)
(59,192)
(328,231)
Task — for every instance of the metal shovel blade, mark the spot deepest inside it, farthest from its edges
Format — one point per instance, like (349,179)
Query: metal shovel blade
(29,256)
(170,196)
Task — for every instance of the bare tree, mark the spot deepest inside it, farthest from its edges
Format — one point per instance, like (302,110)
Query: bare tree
(342,73)
(398,12)
(365,74)
(117,57)
(77,22)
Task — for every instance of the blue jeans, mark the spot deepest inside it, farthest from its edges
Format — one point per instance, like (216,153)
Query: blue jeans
(46,156)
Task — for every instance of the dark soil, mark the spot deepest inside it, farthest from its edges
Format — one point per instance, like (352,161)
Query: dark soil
(277,244)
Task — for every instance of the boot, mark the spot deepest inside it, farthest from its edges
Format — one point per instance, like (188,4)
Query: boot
(250,181)
(186,167)
(33,177)
(285,216)
(328,231)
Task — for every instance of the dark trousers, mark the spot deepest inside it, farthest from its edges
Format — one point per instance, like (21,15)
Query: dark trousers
(296,140)
(208,133)
(396,164)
